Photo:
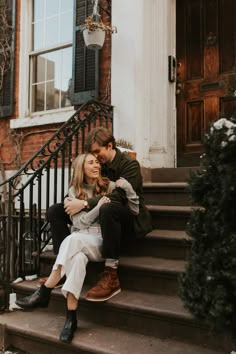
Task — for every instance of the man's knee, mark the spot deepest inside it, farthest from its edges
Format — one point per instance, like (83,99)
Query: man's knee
(106,210)
(55,211)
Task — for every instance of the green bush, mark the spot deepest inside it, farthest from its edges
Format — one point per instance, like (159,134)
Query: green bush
(208,287)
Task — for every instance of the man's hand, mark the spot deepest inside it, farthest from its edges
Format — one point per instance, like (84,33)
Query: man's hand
(121,182)
(73,206)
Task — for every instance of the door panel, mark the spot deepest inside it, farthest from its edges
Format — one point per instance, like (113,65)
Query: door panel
(206,77)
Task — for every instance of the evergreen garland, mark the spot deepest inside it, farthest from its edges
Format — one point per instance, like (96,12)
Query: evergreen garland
(208,287)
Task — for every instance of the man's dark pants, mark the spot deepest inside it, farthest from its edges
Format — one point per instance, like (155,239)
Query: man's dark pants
(59,222)
(117,228)
(116,224)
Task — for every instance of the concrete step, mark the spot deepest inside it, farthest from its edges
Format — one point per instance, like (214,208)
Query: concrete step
(180,174)
(152,315)
(170,244)
(140,273)
(38,331)
(175,193)
(170,217)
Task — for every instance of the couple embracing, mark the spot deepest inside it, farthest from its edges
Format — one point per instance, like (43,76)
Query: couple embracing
(106,213)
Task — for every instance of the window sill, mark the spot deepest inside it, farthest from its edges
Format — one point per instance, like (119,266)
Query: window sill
(42,119)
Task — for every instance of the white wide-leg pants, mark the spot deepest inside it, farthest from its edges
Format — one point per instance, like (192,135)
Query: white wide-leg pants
(74,253)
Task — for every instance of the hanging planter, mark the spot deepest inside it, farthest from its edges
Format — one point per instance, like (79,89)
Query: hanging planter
(94,30)
(94,39)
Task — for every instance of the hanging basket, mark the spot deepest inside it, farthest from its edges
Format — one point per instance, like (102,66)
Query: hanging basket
(94,39)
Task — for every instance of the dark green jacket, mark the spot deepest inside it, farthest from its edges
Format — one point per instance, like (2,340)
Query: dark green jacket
(125,166)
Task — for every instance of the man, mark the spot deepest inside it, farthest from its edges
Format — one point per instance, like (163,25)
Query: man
(119,226)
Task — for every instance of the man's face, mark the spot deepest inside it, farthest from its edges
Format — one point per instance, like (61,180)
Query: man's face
(102,153)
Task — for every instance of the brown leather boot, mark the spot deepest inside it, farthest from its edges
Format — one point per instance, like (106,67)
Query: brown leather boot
(107,287)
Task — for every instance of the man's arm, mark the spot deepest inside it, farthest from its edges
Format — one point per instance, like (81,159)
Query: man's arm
(84,219)
(73,205)
(130,170)
(133,199)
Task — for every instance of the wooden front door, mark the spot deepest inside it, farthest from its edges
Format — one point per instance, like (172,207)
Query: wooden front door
(206,71)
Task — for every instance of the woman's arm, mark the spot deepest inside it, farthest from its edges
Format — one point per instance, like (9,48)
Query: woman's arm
(85,219)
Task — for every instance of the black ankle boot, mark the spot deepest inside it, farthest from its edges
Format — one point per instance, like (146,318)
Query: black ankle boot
(70,326)
(40,298)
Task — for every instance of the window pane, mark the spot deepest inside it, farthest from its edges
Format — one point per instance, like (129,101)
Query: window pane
(51,32)
(38,35)
(52,70)
(52,7)
(66,5)
(38,96)
(66,67)
(40,69)
(52,96)
(53,66)
(66,93)
(66,27)
(38,9)
(66,77)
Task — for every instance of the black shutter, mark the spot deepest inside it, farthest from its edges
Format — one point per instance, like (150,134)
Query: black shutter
(85,61)
(7,7)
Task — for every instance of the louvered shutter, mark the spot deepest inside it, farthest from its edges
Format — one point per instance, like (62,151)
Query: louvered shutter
(85,61)
(7,12)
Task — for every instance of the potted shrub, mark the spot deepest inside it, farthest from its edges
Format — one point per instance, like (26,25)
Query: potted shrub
(94,31)
(127,147)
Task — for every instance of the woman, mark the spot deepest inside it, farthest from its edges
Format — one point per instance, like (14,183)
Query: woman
(85,242)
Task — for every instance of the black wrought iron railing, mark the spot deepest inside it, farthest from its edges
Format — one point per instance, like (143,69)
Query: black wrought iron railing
(40,182)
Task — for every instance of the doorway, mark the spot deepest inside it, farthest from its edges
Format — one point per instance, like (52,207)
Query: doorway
(206,71)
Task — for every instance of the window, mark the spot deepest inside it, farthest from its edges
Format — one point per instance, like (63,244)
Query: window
(56,71)
(51,55)
(7,38)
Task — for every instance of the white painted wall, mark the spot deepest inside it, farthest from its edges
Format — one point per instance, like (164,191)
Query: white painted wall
(144,99)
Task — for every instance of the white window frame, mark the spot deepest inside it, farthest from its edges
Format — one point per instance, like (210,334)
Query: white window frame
(27,118)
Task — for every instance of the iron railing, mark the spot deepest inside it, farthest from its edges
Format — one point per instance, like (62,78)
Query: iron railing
(42,181)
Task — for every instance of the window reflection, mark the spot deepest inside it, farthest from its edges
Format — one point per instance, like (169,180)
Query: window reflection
(52,96)
(53,76)
(40,69)
(52,23)
(52,7)
(66,31)
(53,65)
(52,31)
(38,10)
(38,35)
(66,5)
(38,94)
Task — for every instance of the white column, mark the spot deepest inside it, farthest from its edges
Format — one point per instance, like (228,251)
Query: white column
(144,99)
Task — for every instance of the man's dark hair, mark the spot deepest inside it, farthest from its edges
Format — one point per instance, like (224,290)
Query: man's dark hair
(101,136)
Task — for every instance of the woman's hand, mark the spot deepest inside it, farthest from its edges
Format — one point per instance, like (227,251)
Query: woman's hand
(103,200)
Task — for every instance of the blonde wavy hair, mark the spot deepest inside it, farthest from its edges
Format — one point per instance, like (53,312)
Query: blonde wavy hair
(78,179)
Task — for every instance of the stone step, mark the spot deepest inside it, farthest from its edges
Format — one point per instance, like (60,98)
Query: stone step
(170,244)
(172,174)
(37,332)
(175,193)
(152,315)
(140,273)
(170,217)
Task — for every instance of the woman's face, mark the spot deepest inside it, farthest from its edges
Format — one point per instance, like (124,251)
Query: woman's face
(91,168)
